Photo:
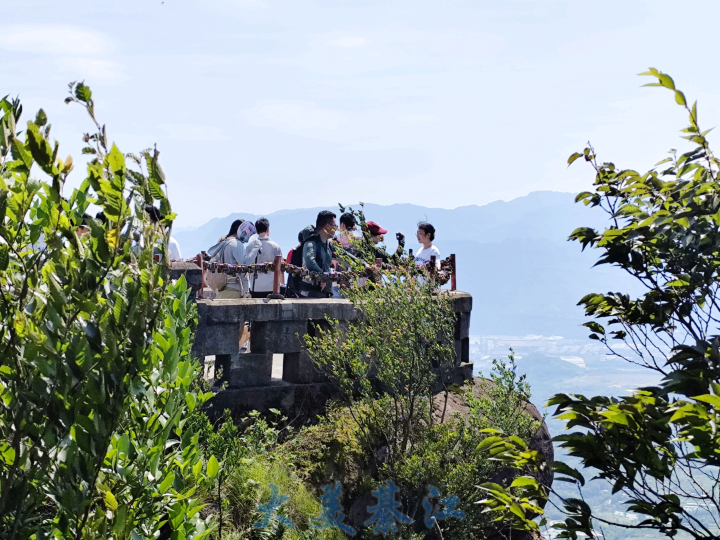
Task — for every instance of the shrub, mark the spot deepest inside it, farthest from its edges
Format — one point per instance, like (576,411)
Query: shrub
(95,375)
(252,462)
(657,446)
(445,455)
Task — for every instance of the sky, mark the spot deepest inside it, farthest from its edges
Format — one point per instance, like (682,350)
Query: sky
(261,105)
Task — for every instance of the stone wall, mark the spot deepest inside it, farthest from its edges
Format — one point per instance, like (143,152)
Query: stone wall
(277,328)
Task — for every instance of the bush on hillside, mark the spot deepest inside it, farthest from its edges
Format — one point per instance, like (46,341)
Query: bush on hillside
(658,446)
(96,379)
(393,368)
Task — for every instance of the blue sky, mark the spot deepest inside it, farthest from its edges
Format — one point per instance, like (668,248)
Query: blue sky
(259,105)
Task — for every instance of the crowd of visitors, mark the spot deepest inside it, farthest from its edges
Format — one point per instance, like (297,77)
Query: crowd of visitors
(250,244)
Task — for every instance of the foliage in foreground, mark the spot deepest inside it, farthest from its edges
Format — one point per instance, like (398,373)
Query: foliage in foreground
(389,366)
(96,380)
(252,460)
(659,447)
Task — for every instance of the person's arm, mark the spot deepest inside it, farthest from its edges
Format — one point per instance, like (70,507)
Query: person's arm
(310,257)
(252,251)
(381,254)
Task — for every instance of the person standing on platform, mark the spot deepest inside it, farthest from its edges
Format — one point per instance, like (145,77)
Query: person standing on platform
(231,251)
(318,255)
(260,250)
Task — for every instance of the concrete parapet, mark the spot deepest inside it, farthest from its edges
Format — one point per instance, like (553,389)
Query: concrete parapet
(298,368)
(278,336)
(278,327)
(245,370)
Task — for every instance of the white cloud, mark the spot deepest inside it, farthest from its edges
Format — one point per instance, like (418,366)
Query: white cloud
(92,69)
(54,39)
(350,42)
(419,118)
(193,132)
(295,115)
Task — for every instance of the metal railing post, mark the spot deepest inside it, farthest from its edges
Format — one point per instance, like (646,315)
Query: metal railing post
(453,281)
(277,273)
(199,261)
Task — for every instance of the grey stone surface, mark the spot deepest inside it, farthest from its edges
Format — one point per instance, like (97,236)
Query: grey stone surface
(462,325)
(217,339)
(462,351)
(254,309)
(275,327)
(299,369)
(277,336)
(245,370)
(301,403)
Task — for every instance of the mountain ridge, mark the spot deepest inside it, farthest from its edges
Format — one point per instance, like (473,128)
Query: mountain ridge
(512,256)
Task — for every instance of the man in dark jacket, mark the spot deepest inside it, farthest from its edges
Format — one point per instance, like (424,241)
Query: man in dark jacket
(318,254)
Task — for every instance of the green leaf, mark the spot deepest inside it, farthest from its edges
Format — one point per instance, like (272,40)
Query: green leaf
(490,441)
(118,307)
(169,479)
(110,500)
(19,151)
(595,327)
(213,467)
(115,160)
(562,468)
(41,118)
(120,519)
(8,453)
(573,157)
(123,444)
(525,481)
(666,81)
(190,400)
(516,509)
(4,257)
(680,98)
(83,92)
(710,399)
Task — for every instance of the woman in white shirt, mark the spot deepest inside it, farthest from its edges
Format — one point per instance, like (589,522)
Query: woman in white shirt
(426,235)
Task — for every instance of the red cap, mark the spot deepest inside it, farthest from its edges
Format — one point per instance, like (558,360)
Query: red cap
(374,228)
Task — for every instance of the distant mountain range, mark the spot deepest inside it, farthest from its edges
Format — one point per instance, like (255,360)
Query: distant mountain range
(513,257)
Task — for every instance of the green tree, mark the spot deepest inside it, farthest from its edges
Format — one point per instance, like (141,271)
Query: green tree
(400,348)
(393,367)
(659,447)
(96,380)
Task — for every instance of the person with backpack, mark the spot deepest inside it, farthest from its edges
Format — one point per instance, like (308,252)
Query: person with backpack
(317,255)
(229,250)
(295,258)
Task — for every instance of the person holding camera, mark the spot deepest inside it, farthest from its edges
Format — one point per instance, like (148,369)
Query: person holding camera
(377,236)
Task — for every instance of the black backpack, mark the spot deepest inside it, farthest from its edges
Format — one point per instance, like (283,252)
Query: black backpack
(296,259)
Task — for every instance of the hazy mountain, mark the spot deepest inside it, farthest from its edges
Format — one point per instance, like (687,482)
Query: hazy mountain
(513,257)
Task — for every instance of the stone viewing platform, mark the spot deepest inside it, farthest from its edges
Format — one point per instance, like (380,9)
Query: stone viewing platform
(275,371)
